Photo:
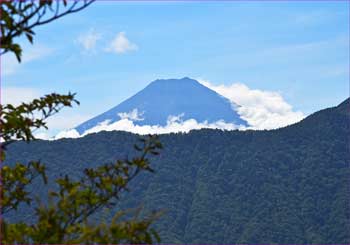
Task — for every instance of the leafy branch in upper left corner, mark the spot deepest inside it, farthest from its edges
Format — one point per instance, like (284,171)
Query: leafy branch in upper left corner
(21,17)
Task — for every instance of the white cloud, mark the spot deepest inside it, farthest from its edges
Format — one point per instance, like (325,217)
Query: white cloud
(133,115)
(10,64)
(174,124)
(72,133)
(17,95)
(261,109)
(121,44)
(89,39)
(59,123)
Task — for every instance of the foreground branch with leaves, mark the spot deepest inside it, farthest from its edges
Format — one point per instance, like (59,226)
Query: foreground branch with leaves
(69,214)
(66,217)
(21,17)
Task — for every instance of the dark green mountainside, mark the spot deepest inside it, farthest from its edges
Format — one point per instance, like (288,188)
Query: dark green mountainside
(286,186)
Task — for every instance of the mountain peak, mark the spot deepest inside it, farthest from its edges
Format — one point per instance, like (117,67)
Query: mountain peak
(165,98)
(185,81)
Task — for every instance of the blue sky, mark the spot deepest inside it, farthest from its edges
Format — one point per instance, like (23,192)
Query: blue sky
(111,50)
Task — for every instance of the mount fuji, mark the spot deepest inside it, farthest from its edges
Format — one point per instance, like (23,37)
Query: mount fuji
(163,99)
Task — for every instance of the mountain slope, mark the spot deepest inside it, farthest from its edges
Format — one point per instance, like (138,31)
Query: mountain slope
(284,186)
(171,97)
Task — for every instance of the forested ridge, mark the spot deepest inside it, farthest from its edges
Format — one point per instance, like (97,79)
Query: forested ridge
(285,186)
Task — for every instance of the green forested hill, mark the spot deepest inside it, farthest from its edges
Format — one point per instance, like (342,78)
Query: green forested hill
(284,186)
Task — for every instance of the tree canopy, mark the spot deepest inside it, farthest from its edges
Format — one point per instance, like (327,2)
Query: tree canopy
(285,186)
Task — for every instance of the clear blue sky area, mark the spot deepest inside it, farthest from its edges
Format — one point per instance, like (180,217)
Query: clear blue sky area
(300,49)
